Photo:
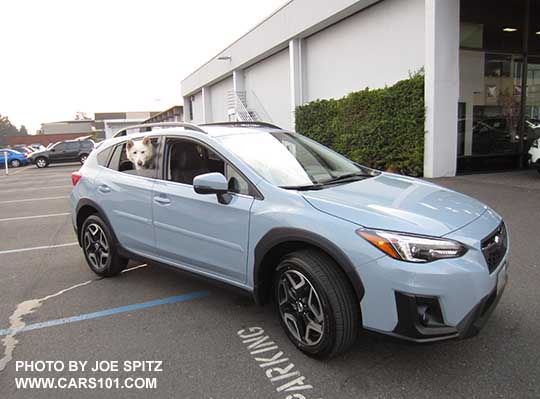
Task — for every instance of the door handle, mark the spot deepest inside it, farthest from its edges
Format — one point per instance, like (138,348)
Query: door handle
(162,200)
(104,188)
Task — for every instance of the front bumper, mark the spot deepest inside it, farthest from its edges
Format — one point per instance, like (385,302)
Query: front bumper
(444,299)
(413,326)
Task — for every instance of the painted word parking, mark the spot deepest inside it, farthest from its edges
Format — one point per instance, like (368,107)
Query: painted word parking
(285,377)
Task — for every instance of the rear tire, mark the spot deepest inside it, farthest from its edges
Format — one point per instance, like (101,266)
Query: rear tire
(41,162)
(15,163)
(99,248)
(316,304)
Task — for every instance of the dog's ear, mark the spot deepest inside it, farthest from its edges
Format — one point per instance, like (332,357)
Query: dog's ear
(146,140)
(129,144)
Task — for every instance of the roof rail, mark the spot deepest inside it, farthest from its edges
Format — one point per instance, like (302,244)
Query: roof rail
(243,123)
(187,126)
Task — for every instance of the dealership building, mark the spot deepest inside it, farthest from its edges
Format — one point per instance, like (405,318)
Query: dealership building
(476,55)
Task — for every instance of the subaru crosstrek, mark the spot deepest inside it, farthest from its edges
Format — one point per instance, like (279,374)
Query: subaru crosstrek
(335,245)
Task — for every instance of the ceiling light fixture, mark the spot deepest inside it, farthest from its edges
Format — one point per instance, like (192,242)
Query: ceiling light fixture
(538,33)
(509,29)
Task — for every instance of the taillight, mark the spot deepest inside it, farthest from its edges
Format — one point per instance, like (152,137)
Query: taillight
(75,177)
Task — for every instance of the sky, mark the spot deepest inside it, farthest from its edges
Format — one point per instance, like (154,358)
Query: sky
(59,57)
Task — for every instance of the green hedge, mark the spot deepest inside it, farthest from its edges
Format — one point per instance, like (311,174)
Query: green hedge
(382,128)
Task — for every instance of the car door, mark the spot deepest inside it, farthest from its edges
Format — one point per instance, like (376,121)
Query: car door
(125,195)
(193,230)
(57,152)
(71,152)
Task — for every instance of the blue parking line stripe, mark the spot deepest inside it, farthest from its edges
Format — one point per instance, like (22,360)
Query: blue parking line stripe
(106,312)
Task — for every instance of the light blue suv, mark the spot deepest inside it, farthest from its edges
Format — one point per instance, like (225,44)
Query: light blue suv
(335,245)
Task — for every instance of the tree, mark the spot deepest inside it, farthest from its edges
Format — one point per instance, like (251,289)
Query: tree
(23,131)
(6,129)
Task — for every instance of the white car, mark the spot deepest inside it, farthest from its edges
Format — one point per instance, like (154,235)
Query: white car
(534,155)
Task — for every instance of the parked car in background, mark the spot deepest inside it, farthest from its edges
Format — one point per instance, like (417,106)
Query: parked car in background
(63,151)
(22,149)
(37,147)
(14,158)
(534,155)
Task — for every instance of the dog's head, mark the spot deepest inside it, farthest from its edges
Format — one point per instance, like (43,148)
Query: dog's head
(140,152)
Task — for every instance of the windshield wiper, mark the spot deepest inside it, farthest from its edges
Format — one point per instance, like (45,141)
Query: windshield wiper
(316,186)
(346,177)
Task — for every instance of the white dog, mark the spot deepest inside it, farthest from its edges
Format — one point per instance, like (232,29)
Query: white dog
(140,153)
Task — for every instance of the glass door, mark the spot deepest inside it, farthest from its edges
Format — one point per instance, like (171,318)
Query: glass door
(532,103)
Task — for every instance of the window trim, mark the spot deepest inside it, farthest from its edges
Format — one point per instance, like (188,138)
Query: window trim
(256,194)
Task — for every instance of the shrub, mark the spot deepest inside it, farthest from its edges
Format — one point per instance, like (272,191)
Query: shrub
(382,128)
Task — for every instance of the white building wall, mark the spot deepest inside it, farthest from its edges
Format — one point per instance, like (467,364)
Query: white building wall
(373,48)
(218,99)
(198,115)
(267,86)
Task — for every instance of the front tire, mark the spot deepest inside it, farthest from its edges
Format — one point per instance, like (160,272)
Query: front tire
(41,162)
(316,304)
(15,163)
(99,248)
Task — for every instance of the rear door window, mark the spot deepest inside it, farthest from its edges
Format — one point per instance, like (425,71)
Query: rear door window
(72,146)
(145,155)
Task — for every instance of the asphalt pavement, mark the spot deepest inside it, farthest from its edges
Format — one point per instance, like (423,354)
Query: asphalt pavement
(193,337)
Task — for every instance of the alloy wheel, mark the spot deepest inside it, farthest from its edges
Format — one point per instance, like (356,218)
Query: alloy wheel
(41,163)
(83,158)
(15,163)
(96,246)
(300,307)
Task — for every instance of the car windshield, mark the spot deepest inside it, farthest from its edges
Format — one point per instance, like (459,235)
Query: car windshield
(290,160)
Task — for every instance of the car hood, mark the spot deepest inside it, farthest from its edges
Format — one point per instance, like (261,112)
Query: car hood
(39,152)
(399,203)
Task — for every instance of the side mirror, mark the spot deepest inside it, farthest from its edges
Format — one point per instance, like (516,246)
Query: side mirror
(213,183)
(53,150)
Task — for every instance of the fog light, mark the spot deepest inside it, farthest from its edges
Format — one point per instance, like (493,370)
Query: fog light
(423,312)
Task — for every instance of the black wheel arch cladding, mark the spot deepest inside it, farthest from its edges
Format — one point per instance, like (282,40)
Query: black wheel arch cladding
(290,239)
(87,207)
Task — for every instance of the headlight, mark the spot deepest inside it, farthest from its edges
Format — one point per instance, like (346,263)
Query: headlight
(411,248)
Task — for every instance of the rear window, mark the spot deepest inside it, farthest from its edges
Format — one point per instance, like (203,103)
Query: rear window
(103,156)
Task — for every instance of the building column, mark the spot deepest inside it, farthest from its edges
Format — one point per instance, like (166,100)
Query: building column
(441,87)
(207,105)
(238,80)
(187,109)
(296,73)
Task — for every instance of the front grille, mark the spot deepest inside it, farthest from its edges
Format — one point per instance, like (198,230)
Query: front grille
(494,247)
